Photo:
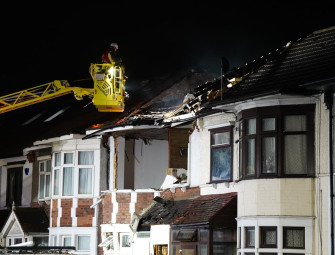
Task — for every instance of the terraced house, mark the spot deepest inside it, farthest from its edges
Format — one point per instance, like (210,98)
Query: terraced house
(239,164)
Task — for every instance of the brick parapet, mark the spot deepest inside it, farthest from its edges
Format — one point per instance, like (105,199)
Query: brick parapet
(180,193)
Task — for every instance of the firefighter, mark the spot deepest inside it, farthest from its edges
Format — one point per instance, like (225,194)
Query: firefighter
(110,55)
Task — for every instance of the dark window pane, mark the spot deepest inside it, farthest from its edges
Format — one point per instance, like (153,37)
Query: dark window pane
(295,123)
(221,163)
(295,154)
(251,127)
(221,138)
(250,157)
(268,237)
(269,124)
(294,237)
(250,237)
(268,155)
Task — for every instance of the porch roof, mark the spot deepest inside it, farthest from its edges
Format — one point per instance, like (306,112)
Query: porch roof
(200,210)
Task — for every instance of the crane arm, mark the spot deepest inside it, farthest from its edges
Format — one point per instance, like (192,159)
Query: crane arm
(41,93)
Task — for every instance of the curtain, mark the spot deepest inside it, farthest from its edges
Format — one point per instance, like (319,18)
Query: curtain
(68,181)
(57,159)
(56,182)
(85,158)
(85,181)
(41,191)
(47,185)
(295,154)
(68,158)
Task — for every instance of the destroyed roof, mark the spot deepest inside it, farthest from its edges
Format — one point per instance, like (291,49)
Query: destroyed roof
(288,70)
(167,93)
(32,219)
(202,209)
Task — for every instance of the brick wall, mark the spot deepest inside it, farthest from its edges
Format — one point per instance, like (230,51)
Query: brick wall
(84,213)
(66,219)
(143,201)
(180,194)
(106,209)
(126,202)
(123,215)
(54,213)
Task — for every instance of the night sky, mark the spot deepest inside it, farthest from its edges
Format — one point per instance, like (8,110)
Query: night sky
(42,43)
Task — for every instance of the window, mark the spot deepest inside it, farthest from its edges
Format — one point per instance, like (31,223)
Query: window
(294,237)
(224,241)
(187,235)
(250,237)
(45,179)
(108,242)
(221,154)
(276,141)
(66,240)
(125,240)
(17,240)
(83,243)
(268,237)
(85,159)
(54,240)
(73,173)
(41,240)
(14,186)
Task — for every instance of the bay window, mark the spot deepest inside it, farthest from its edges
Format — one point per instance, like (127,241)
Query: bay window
(73,173)
(276,141)
(221,154)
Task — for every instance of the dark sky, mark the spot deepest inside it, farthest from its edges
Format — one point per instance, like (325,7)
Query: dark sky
(42,43)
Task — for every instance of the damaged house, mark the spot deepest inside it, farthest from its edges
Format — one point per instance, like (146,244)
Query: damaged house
(261,133)
(240,164)
(67,175)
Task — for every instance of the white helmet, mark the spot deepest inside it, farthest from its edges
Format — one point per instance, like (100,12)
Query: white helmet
(114,45)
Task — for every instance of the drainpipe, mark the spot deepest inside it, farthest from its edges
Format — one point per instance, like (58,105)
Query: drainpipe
(329,103)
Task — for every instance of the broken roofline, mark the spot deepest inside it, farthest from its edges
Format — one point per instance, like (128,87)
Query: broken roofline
(92,133)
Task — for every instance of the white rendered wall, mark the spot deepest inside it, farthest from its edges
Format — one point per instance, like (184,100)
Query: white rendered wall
(74,232)
(151,161)
(26,180)
(194,167)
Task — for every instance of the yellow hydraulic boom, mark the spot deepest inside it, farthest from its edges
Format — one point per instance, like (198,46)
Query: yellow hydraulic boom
(107,95)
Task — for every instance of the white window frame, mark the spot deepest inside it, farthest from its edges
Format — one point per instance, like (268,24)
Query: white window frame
(76,167)
(43,174)
(77,242)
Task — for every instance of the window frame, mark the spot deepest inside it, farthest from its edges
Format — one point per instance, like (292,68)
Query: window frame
(44,174)
(262,231)
(294,228)
(213,147)
(247,237)
(76,173)
(279,113)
